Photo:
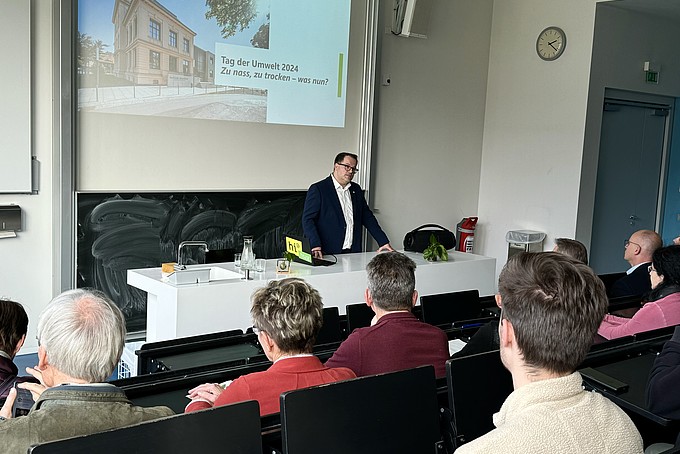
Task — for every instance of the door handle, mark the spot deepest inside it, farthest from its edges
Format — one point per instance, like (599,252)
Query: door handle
(633,217)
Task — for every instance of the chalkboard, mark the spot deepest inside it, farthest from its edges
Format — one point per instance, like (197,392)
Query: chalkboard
(117,232)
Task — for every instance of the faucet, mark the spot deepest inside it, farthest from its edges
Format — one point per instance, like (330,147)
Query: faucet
(179,265)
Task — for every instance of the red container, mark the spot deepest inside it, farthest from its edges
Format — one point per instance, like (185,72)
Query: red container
(465,231)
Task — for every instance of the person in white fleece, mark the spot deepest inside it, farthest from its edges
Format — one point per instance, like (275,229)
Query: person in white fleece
(551,306)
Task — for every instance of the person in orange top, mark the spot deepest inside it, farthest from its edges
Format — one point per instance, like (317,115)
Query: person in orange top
(287,316)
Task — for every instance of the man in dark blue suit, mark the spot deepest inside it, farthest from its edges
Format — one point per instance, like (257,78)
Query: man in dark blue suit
(638,252)
(335,210)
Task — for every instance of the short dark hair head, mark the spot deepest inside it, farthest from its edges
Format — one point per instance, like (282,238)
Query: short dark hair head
(666,261)
(290,311)
(391,281)
(572,248)
(341,156)
(13,325)
(555,305)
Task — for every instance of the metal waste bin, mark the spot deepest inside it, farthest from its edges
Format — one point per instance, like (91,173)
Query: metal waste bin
(524,241)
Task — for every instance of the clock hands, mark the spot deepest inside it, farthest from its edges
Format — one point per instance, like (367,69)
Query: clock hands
(550,43)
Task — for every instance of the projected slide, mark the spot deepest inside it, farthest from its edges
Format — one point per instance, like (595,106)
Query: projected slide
(273,61)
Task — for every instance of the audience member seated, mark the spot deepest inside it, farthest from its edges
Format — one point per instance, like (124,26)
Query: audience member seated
(664,379)
(81,335)
(663,306)
(13,328)
(287,316)
(486,338)
(551,307)
(638,252)
(572,248)
(396,340)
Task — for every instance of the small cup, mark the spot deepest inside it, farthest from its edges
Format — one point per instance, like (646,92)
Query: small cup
(260,265)
(237,260)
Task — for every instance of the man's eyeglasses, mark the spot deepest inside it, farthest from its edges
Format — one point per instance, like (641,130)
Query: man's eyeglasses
(627,242)
(651,268)
(348,167)
(256,330)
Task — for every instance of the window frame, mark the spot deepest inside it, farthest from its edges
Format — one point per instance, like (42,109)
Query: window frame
(152,54)
(154,30)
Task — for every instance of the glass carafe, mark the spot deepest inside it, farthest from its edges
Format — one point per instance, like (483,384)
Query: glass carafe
(247,256)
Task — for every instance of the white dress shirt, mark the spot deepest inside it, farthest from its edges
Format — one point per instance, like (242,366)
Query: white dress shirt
(346,203)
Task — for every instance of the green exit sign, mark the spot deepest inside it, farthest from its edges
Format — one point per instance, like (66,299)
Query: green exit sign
(652,77)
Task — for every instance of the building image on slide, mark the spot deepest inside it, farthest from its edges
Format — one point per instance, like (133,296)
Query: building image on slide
(155,65)
(262,61)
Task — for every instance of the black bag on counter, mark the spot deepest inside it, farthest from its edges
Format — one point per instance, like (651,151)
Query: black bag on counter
(417,240)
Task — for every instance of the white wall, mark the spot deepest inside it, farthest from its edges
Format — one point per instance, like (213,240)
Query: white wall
(26,261)
(618,57)
(534,123)
(427,156)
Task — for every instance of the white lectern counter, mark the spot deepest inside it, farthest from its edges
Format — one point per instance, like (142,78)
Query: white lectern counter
(190,309)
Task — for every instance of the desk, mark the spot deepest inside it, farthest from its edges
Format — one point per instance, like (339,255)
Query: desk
(634,372)
(187,310)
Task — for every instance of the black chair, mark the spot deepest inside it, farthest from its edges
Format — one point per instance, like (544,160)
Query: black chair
(223,348)
(395,413)
(358,316)
(624,302)
(446,308)
(488,302)
(230,428)
(330,330)
(478,386)
(609,279)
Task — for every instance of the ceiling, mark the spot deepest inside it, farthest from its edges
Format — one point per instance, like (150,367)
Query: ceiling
(669,9)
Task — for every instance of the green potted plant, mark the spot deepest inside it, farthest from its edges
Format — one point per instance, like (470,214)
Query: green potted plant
(435,251)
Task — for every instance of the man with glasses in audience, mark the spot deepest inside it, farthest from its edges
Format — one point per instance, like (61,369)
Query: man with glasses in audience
(335,210)
(638,250)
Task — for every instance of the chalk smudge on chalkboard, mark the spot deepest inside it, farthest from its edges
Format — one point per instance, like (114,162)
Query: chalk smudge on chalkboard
(117,232)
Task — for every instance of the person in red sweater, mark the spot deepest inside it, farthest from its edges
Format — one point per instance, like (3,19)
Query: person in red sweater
(397,340)
(287,316)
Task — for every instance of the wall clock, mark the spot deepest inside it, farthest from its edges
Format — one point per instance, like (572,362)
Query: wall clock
(551,43)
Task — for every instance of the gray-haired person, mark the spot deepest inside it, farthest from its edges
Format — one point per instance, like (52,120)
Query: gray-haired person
(81,335)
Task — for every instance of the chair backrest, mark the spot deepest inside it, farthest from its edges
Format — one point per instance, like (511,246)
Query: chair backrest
(330,331)
(231,428)
(395,412)
(181,353)
(624,302)
(478,386)
(609,279)
(446,308)
(358,316)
